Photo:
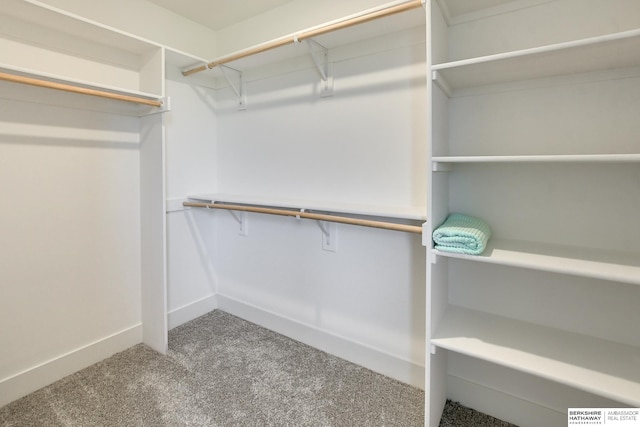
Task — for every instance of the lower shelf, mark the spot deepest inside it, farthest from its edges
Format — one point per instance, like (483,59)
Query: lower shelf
(598,264)
(598,366)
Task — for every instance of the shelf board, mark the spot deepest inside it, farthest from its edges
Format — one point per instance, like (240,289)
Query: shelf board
(598,366)
(29,93)
(20,71)
(47,16)
(599,264)
(607,52)
(401,212)
(561,158)
(379,27)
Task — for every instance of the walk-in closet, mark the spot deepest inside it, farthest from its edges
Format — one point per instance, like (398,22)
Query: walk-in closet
(296,168)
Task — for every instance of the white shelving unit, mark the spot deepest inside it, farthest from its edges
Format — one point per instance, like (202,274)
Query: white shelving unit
(532,137)
(49,45)
(42,42)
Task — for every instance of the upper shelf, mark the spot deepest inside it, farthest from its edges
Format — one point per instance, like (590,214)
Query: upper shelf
(400,212)
(48,43)
(607,52)
(398,15)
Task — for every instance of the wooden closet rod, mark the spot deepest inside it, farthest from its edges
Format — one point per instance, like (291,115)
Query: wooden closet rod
(77,89)
(309,215)
(391,10)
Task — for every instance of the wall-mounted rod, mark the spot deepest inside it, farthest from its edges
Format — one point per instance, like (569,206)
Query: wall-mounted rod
(309,215)
(78,89)
(333,26)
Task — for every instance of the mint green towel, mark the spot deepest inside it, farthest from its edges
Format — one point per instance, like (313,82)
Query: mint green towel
(462,234)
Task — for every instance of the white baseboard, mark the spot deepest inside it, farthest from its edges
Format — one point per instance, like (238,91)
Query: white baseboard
(32,379)
(501,405)
(361,354)
(188,312)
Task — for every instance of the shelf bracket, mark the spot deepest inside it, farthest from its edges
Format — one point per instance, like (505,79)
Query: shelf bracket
(433,348)
(242,219)
(238,88)
(320,56)
(441,166)
(439,80)
(164,108)
(329,235)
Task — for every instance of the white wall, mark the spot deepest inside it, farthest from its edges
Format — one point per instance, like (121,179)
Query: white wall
(191,167)
(70,253)
(365,144)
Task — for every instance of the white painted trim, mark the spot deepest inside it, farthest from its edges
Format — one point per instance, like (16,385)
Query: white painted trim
(377,360)
(193,310)
(36,377)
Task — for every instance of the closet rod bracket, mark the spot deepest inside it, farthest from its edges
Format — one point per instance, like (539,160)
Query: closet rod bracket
(237,86)
(241,218)
(320,56)
(164,108)
(329,235)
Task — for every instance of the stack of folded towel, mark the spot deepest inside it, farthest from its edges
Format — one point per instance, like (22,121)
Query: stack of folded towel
(462,234)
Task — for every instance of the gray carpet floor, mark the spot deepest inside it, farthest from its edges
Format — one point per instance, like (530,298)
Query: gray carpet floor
(223,371)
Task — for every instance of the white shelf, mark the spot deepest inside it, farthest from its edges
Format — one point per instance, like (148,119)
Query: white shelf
(562,158)
(44,40)
(595,365)
(60,21)
(19,71)
(599,264)
(380,29)
(607,52)
(401,212)
(28,93)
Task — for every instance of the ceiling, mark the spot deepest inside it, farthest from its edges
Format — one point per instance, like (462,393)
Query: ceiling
(217,14)
(460,7)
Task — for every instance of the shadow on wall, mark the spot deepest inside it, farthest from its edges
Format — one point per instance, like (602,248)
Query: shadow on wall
(36,116)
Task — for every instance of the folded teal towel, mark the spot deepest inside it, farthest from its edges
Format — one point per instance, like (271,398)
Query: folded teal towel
(462,234)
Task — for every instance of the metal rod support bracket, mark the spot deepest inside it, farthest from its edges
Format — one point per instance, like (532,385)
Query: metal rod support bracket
(238,88)
(329,235)
(242,219)
(320,56)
